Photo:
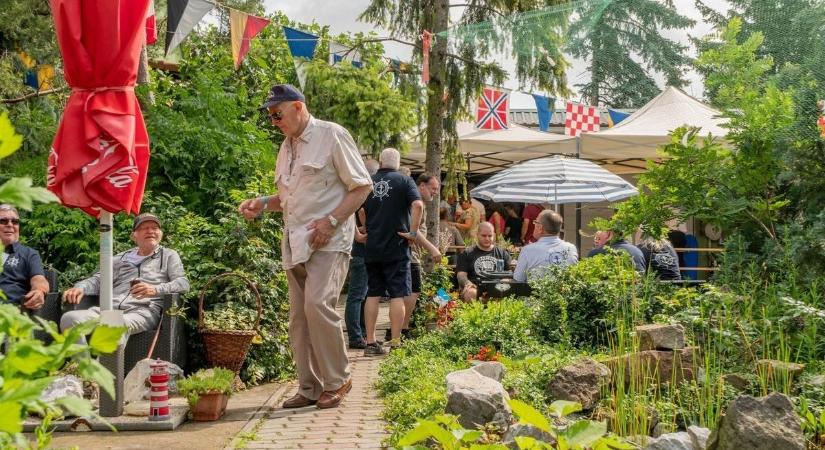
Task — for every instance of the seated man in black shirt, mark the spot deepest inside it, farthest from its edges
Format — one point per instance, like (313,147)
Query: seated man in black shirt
(481,258)
(22,280)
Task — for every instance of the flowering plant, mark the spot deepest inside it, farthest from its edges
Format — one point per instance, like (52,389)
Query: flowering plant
(485,354)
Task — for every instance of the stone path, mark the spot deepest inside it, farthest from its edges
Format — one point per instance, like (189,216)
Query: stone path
(355,424)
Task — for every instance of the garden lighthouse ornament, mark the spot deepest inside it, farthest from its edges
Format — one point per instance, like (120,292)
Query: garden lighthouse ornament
(159,395)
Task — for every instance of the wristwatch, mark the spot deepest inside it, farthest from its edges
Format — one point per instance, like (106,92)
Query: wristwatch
(333,221)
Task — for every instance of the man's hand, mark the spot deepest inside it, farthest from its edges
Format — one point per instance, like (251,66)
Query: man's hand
(251,208)
(34,299)
(361,235)
(436,257)
(322,233)
(73,295)
(143,290)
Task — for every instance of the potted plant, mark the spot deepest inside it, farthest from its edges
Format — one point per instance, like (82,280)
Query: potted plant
(207,392)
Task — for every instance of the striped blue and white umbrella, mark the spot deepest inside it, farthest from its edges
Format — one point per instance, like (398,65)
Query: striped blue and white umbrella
(554,180)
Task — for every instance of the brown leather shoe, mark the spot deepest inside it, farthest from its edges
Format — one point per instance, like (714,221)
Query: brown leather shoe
(298,401)
(331,399)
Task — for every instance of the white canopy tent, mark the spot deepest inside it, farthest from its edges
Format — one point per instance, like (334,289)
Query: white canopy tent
(490,151)
(626,147)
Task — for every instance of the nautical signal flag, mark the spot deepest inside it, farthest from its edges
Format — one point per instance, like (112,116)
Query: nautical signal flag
(302,47)
(181,18)
(151,24)
(493,109)
(243,28)
(580,119)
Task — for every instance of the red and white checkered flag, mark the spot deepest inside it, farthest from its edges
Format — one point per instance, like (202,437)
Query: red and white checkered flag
(581,119)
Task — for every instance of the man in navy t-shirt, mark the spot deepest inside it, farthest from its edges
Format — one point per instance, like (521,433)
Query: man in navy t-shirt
(22,279)
(393,200)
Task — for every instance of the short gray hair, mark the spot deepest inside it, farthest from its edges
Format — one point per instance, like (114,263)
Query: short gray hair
(390,159)
(8,207)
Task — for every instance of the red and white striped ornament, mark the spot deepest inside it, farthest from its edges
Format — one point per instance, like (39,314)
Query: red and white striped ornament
(159,394)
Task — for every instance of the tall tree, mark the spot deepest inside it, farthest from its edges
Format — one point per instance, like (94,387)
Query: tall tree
(624,43)
(457,71)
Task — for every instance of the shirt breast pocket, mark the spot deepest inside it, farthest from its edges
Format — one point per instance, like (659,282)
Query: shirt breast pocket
(312,177)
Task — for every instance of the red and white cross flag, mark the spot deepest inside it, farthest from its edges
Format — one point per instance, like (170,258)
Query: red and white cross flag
(493,109)
(581,119)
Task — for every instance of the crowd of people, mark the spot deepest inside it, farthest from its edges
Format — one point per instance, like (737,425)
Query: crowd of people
(342,214)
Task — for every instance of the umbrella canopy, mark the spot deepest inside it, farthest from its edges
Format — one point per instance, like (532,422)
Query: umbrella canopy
(555,180)
(100,153)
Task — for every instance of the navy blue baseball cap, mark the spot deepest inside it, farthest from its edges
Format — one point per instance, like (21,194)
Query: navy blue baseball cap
(283,93)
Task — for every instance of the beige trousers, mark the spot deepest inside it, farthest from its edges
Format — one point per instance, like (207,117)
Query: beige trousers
(315,330)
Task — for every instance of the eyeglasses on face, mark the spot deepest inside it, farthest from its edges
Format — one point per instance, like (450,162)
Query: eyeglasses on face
(276,116)
(7,220)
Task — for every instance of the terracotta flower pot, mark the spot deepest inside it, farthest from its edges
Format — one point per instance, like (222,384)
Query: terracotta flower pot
(210,406)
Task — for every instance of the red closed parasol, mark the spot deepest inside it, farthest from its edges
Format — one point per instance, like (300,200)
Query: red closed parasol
(100,154)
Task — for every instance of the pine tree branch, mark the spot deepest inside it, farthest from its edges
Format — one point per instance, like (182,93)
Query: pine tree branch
(33,95)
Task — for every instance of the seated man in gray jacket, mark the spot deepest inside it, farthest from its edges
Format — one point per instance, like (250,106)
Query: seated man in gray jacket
(140,276)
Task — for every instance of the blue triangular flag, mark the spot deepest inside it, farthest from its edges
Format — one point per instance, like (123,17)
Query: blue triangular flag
(301,45)
(614,117)
(543,105)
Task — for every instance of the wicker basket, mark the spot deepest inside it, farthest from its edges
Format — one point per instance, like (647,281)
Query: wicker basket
(228,348)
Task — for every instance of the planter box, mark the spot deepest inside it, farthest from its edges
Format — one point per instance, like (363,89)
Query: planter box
(210,406)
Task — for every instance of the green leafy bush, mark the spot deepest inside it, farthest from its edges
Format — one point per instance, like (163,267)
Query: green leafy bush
(206,381)
(505,325)
(29,366)
(579,305)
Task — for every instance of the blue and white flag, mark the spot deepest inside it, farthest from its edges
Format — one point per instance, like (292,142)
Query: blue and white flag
(544,106)
(302,47)
(338,53)
(614,117)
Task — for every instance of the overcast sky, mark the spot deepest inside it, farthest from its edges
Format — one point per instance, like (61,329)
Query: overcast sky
(342,16)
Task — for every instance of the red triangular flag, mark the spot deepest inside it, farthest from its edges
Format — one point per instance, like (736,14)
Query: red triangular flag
(243,28)
(151,25)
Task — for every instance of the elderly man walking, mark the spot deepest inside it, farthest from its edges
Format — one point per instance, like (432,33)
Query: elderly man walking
(321,182)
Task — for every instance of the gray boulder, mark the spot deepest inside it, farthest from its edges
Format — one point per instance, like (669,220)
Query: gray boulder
(477,400)
(671,441)
(767,423)
(490,369)
(661,337)
(521,430)
(579,382)
(698,437)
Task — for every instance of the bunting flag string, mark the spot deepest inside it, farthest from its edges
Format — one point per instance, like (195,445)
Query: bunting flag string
(243,28)
(581,119)
(338,53)
(544,107)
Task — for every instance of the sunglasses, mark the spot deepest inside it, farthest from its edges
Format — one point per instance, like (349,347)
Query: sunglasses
(276,116)
(6,221)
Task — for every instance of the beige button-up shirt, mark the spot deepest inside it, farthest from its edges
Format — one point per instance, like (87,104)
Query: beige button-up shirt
(314,173)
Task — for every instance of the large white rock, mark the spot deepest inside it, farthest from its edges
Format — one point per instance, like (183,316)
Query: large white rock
(477,400)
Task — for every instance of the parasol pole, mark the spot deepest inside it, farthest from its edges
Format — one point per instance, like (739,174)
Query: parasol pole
(105,261)
(114,362)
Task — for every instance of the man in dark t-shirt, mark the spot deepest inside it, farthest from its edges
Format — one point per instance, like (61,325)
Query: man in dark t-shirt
(479,259)
(389,208)
(22,279)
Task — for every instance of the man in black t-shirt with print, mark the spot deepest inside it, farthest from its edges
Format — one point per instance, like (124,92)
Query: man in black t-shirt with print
(389,208)
(479,259)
